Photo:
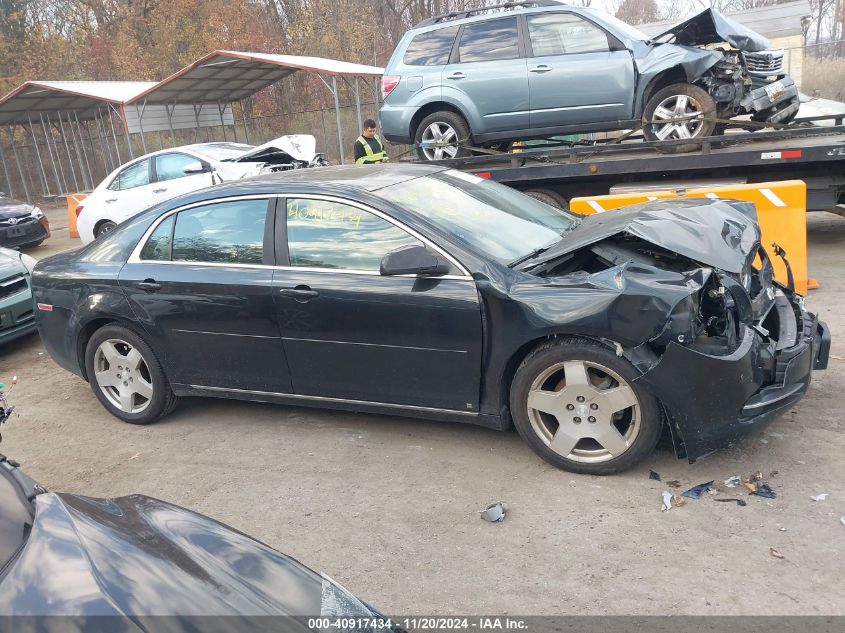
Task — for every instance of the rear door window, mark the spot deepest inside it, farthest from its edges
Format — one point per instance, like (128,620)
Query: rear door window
(135,175)
(564,34)
(230,232)
(489,41)
(432,48)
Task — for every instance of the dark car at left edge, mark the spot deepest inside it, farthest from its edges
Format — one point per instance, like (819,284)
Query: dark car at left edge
(421,291)
(21,224)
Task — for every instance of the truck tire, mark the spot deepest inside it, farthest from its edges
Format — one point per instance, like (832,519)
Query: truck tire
(447,126)
(669,113)
(551,198)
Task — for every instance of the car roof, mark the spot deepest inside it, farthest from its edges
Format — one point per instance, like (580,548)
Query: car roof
(364,177)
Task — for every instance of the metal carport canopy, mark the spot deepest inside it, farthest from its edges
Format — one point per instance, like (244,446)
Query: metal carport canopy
(81,97)
(228,76)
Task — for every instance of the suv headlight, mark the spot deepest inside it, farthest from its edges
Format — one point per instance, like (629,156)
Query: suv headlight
(28,261)
(37,213)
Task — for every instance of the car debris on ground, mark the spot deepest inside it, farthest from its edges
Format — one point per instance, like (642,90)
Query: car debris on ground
(696,491)
(495,512)
(739,502)
(774,553)
(820,497)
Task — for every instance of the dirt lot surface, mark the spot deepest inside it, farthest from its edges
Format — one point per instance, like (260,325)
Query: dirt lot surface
(388,506)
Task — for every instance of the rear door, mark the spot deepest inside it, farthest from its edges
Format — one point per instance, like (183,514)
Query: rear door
(355,335)
(130,191)
(577,72)
(487,76)
(201,284)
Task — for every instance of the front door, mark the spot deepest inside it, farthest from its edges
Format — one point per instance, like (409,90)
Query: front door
(487,77)
(171,179)
(574,76)
(352,334)
(202,287)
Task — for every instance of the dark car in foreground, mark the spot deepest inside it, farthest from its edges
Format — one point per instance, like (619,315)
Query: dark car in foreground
(420,291)
(21,224)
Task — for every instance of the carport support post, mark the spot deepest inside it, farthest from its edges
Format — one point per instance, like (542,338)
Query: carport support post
(11,190)
(84,151)
(76,149)
(196,120)
(18,163)
(103,146)
(358,104)
(114,136)
(243,118)
(222,123)
(170,124)
(61,184)
(67,151)
(140,113)
(337,118)
(38,155)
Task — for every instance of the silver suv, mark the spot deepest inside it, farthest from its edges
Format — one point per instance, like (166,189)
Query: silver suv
(525,70)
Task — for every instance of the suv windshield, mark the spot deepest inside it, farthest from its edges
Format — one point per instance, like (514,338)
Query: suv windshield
(491,218)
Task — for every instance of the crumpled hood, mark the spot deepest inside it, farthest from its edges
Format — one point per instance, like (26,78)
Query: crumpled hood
(711,27)
(11,208)
(302,147)
(140,556)
(723,234)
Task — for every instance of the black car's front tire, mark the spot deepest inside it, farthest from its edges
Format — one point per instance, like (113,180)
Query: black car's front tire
(126,376)
(577,405)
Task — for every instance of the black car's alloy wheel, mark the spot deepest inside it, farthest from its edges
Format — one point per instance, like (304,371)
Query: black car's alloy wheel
(126,376)
(576,404)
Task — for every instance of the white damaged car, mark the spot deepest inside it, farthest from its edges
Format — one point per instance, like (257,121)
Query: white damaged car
(159,176)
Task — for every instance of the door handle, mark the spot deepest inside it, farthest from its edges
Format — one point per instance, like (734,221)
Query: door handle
(302,294)
(150,285)
(542,68)
(162,190)
(110,200)
(456,75)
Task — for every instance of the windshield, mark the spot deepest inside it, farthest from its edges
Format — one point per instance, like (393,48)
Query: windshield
(620,27)
(491,218)
(223,151)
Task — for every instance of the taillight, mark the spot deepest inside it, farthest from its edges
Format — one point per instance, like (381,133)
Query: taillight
(79,208)
(388,83)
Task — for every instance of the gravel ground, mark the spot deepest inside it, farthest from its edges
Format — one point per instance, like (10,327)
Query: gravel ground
(388,506)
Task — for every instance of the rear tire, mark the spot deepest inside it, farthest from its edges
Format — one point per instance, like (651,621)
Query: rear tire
(667,116)
(126,376)
(445,126)
(578,406)
(103,227)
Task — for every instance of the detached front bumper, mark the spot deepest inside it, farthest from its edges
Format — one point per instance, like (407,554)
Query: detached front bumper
(775,101)
(711,401)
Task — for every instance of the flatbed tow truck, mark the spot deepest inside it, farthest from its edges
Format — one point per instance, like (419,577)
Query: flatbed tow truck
(561,170)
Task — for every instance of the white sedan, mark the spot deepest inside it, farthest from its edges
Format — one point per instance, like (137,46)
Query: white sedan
(159,176)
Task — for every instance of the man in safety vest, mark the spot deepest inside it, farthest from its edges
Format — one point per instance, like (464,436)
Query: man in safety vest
(368,147)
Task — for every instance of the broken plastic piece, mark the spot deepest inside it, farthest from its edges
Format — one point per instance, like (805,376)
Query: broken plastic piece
(732,481)
(820,497)
(775,553)
(674,483)
(842,519)
(653,475)
(763,490)
(667,500)
(696,491)
(739,502)
(495,512)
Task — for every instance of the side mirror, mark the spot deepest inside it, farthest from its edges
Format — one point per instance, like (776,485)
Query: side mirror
(198,167)
(413,260)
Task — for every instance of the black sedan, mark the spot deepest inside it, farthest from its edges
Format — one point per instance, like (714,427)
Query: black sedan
(420,291)
(21,224)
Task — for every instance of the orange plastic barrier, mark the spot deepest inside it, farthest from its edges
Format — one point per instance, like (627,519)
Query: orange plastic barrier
(781,210)
(73,201)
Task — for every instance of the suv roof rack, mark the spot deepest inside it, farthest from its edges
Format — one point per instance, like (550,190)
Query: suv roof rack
(459,15)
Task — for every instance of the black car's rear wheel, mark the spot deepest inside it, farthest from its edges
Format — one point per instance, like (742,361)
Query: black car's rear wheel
(576,404)
(126,376)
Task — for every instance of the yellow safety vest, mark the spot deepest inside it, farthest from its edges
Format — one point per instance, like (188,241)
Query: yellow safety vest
(369,155)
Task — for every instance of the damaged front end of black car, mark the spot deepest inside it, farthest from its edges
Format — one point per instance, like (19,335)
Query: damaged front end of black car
(688,294)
